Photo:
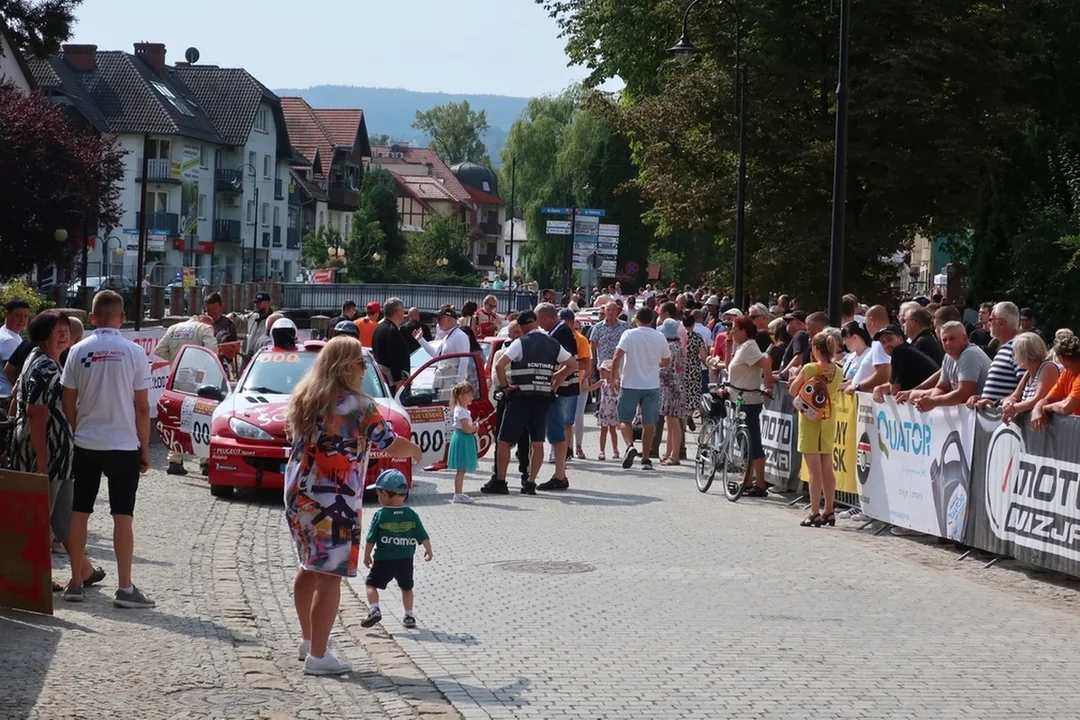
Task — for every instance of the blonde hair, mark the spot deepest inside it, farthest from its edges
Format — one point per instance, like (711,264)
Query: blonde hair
(826,344)
(460,389)
(317,394)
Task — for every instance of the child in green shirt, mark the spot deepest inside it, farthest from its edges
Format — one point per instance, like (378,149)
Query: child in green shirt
(394,534)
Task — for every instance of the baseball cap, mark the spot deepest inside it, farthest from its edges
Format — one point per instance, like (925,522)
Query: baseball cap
(732,311)
(796,315)
(447,311)
(392,481)
(713,300)
(888,330)
(346,327)
(566,314)
(374,307)
(526,317)
(262,297)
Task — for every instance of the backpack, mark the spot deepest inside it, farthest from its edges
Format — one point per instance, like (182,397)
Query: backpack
(813,401)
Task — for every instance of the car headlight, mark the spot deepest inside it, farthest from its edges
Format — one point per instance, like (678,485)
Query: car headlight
(246,430)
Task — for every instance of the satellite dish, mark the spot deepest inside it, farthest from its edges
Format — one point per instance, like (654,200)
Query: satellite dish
(192,55)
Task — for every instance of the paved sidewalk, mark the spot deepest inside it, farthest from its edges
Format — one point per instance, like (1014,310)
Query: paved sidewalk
(221,642)
(634,596)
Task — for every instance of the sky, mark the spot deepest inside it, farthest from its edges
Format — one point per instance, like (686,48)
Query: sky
(502,47)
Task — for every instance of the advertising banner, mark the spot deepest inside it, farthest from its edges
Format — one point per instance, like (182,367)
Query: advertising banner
(844,445)
(159,369)
(779,437)
(189,191)
(914,469)
(1026,493)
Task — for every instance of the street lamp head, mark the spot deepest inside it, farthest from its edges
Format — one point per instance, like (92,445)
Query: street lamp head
(376,257)
(60,235)
(684,49)
(119,252)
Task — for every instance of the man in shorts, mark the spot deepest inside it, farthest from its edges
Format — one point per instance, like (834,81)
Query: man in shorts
(635,371)
(528,372)
(106,399)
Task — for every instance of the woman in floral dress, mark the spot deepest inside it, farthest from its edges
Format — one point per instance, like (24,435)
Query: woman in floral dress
(695,359)
(673,392)
(333,425)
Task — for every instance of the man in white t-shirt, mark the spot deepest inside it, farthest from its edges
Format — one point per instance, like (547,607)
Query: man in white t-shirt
(106,400)
(454,340)
(16,316)
(635,370)
(877,319)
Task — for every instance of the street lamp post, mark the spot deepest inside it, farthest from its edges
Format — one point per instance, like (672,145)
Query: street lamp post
(336,253)
(683,50)
(106,260)
(238,184)
(839,208)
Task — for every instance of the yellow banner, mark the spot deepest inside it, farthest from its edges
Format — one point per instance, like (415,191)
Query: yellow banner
(845,409)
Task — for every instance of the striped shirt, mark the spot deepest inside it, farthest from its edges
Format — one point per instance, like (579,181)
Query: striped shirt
(1004,374)
(1032,385)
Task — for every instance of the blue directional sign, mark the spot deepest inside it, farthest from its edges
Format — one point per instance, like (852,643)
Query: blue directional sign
(593,212)
(555,211)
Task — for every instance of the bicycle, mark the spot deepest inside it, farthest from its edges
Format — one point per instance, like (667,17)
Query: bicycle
(724,441)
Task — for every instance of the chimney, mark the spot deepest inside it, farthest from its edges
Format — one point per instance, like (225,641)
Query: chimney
(153,54)
(81,57)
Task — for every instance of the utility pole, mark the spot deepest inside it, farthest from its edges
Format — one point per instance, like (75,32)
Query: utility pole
(140,263)
(839,208)
(513,212)
(255,231)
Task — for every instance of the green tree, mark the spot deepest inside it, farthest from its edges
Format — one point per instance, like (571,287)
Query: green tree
(455,131)
(38,26)
(379,140)
(378,202)
(933,84)
(315,247)
(444,237)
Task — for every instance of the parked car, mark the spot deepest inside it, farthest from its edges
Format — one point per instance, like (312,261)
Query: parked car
(199,283)
(118,283)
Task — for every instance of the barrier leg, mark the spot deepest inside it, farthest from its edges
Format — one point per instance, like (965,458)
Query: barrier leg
(965,554)
(798,499)
(882,529)
(992,561)
(867,524)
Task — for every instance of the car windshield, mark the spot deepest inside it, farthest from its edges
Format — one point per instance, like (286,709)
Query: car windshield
(278,372)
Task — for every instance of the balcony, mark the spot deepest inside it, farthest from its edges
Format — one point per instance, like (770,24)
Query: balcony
(486,260)
(294,193)
(278,190)
(227,231)
(158,171)
(159,223)
(265,239)
(277,235)
(292,239)
(226,180)
(342,196)
(491,228)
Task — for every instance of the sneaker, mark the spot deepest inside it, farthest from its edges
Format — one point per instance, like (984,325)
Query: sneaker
(73,592)
(861,517)
(462,499)
(303,650)
(628,460)
(204,470)
(58,548)
(554,484)
(409,621)
(374,616)
(646,464)
(495,487)
(328,664)
(132,599)
(176,469)
(848,514)
(551,457)
(528,488)
(614,454)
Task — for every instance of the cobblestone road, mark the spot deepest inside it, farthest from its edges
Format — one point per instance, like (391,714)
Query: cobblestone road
(221,642)
(634,596)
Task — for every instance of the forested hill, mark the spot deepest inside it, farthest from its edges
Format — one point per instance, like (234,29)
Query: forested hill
(391,111)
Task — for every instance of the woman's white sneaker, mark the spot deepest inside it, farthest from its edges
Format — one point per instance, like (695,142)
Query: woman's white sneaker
(328,664)
(462,499)
(303,650)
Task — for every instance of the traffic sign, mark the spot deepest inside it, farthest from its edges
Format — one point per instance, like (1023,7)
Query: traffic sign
(558,227)
(608,230)
(592,212)
(555,210)
(632,268)
(608,266)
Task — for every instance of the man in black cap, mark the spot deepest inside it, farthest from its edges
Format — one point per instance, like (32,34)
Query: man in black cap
(910,366)
(255,323)
(528,373)
(454,341)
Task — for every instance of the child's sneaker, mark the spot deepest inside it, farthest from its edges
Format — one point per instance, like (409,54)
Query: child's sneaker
(614,454)
(373,617)
(462,498)
(409,621)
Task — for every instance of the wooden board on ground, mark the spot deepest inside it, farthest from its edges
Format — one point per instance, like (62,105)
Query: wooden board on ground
(25,552)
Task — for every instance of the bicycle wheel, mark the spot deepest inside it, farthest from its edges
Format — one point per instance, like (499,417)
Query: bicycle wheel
(705,462)
(734,464)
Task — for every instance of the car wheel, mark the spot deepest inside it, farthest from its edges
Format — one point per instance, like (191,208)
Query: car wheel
(221,491)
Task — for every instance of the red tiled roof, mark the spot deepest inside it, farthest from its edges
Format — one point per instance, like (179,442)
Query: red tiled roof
(428,188)
(427,156)
(481,197)
(307,133)
(399,181)
(342,125)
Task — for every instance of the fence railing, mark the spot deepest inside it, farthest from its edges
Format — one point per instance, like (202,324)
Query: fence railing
(326,298)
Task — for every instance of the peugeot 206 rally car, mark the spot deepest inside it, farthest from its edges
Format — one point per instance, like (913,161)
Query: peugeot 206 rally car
(239,429)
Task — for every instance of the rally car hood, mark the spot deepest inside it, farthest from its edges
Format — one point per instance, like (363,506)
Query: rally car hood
(267,411)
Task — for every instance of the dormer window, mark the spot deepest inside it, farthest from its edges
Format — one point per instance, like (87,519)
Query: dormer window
(261,119)
(487,186)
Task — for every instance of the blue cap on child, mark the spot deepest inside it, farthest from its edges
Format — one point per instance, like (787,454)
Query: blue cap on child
(392,481)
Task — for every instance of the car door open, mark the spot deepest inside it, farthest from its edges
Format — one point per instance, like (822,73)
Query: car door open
(196,385)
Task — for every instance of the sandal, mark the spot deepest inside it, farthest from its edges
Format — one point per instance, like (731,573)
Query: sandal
(580,453)
(755,491)
(614,454)
(95,577)
(57,587)
(812,520)
(601,456)
(669,461)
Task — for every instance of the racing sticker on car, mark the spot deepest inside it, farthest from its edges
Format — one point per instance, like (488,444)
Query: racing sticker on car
(425,414)
(279,357)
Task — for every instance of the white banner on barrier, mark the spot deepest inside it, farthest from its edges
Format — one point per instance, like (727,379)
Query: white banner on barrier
(914,468)
(159,369)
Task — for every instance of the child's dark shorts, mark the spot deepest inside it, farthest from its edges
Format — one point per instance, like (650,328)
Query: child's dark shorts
(383,571)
